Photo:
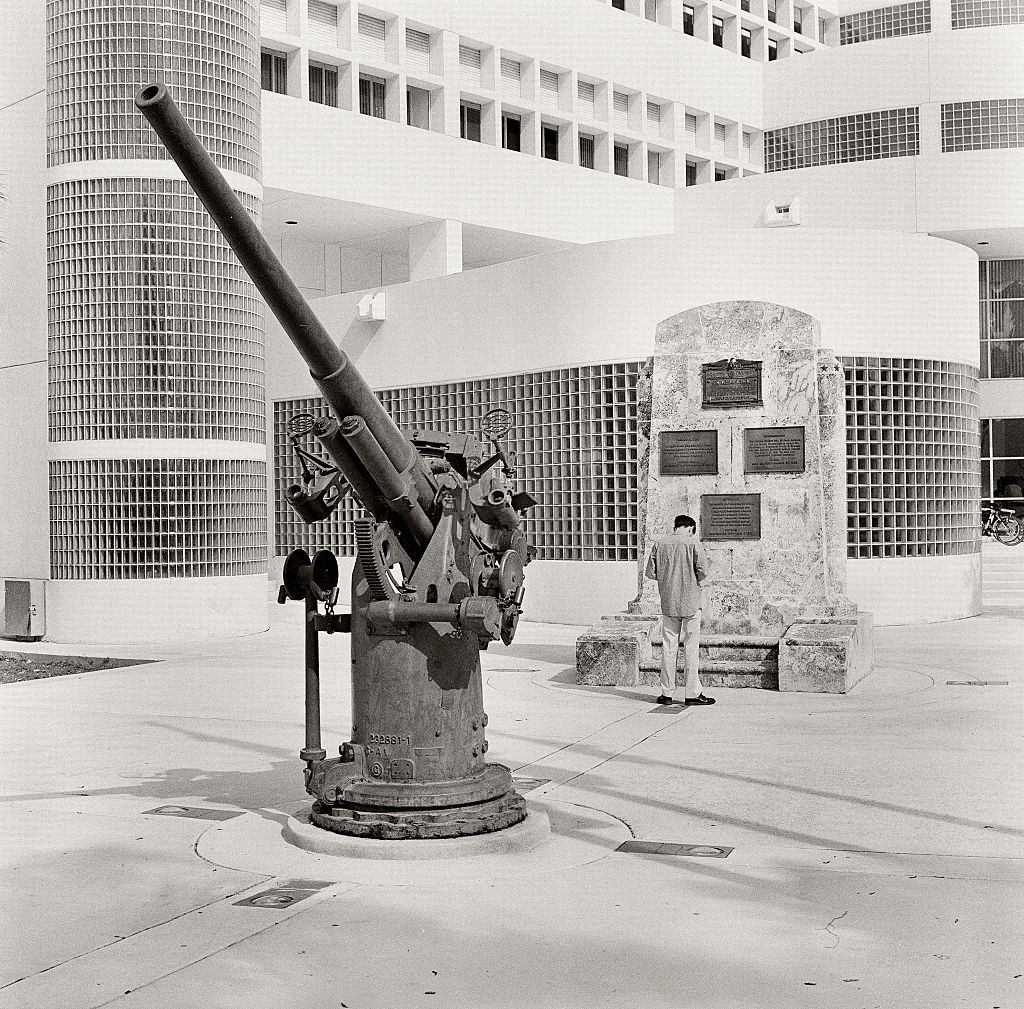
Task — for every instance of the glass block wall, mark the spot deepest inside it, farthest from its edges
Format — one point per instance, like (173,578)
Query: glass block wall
(979,13)
(100,52)
(575,442)
(886,22)
(155,333)
(984,125)
(913,457)
(1002,318)
(890,133)
(157,518)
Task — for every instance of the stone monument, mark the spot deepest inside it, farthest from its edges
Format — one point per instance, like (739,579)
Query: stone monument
(747,435)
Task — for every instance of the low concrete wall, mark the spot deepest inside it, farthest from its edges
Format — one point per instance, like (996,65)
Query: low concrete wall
(163,609)
(904,590)
(916,590)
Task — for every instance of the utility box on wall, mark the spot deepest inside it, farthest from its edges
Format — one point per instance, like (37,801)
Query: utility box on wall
(23,617)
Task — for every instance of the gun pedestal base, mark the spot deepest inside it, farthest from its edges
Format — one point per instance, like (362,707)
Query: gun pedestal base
(399,821)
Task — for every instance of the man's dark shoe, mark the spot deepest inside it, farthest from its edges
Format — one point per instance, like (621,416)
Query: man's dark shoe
(703,699)
(664,699)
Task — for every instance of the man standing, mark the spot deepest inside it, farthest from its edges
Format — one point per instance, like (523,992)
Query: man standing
(680,564)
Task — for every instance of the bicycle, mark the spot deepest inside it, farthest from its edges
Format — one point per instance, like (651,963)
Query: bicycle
(1001,524)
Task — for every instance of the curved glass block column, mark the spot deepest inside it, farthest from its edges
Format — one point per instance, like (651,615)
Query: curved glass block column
(157,399)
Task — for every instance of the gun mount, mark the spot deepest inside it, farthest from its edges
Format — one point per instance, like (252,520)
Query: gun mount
(438,572)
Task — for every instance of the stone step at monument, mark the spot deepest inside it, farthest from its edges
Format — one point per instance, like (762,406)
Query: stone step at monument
(730,647)
(762,675)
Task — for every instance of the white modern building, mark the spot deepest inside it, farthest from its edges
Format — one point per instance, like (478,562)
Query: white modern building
(532,186)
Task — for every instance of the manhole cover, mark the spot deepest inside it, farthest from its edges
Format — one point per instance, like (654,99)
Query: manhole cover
(284,895)
(977,683)
(672,848)
(193,812)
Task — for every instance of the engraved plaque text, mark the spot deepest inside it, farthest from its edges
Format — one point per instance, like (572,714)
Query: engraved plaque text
(731,382)
(773,450)
(730,517)
(689,453)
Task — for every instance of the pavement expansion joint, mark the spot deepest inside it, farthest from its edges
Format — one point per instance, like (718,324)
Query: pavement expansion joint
(554,836)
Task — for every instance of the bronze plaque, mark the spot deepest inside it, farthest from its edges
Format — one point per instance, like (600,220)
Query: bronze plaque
(731,382)
(773,450)
(730,516)
(689,453)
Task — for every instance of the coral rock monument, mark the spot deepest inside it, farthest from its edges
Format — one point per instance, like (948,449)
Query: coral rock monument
(746,433)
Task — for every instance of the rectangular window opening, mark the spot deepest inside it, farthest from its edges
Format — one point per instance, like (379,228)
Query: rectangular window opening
(469,121)
(372,94)
(511,132)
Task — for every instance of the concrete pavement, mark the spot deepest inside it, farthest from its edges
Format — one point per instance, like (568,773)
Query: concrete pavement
(877,840)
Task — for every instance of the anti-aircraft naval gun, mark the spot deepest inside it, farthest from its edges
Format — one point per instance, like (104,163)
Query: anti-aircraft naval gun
(438,573)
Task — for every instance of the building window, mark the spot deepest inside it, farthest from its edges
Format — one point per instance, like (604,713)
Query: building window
(586,99)
(469,121)
(979,13)
(745,5)
(654,118)
(651,10)
(619,5)
(720,134)
(773,50)
(549,88)
(691,173)
(273,71)
(890,133)
(323,23)
(687,20)
(798,20)
(718,32)
(1002,462)
(1002,318)
(323,84)
(748,145)
(620,109)
(691,129)
(622,160)
(470,66)
(745,41)
(772,8)
(720,175)
(654,168)
(822,29)
(549,142)
(371,96)
(417,50)
(417,107)
(886,22)
(983,126)
(511,77)
(586,151)
(511,132)
(372,34)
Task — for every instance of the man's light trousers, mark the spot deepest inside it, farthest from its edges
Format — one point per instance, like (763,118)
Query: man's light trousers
(671,630)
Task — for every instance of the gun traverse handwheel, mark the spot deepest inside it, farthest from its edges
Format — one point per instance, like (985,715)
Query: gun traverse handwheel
(496,423)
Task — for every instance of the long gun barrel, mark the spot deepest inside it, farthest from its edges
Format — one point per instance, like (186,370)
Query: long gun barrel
(340,382)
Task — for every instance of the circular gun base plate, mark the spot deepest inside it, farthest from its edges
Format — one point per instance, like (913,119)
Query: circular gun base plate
(405,824)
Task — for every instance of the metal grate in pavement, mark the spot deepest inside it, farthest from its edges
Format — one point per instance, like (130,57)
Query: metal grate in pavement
(193,812)
(291,891)
(523,785)
(977,683)
(670,848)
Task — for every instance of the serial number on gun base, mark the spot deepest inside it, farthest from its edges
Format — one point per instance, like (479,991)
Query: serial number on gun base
(381,740)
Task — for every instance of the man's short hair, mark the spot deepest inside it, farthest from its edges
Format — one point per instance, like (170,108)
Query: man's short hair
(686,521)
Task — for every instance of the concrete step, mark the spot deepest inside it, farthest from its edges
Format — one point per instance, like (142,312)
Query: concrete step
(730,647)
(720,673)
